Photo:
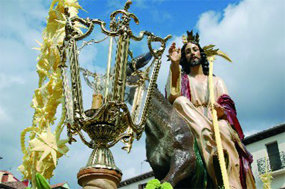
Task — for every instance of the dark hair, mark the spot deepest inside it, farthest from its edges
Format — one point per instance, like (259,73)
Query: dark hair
(185,65)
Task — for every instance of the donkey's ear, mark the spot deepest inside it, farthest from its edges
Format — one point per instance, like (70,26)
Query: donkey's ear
(143,60)
(138,62)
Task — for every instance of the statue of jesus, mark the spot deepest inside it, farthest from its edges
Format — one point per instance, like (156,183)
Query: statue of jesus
(188,91)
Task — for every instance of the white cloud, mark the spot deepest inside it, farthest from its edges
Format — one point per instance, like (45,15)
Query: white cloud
(160,17)
(10,81)
(254,39)
(114,4)
(3,115)
(142,4)
(20,17)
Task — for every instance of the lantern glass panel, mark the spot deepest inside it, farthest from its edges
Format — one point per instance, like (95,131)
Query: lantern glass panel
(92,58)
(136,91)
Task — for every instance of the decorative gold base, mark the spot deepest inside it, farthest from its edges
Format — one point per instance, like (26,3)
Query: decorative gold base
(102,158)
(94,178)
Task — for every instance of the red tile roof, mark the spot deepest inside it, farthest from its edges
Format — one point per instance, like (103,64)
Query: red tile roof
(15,185)
(57,185)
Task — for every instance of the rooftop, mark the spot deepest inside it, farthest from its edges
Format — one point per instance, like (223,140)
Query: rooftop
(136,178)
(13,185)
(265,134)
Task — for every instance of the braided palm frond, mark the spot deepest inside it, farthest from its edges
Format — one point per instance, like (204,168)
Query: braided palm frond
(210,51)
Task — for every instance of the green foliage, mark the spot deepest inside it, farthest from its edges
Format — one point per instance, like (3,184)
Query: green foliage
(166,185)
(155,184)
(152,184)
(41,182)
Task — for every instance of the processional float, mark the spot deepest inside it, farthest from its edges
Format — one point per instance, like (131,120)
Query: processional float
(110,119)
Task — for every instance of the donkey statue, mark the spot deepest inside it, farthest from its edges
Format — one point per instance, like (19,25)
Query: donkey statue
(171,149)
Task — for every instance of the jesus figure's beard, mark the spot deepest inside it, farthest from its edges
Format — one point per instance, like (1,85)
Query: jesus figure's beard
(195,62)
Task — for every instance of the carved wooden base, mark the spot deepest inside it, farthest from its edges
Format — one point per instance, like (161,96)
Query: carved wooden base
(93,178)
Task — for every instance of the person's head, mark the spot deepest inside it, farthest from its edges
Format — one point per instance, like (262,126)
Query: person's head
(193,55)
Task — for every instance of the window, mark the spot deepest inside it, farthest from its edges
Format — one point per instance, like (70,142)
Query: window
(274,156)
(142,186)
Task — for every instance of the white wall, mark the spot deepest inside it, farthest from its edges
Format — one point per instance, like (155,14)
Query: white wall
(136,184)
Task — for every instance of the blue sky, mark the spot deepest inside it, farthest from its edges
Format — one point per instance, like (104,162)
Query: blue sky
(251,32)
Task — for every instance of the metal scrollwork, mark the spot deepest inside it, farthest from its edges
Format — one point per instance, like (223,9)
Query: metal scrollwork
(112,121)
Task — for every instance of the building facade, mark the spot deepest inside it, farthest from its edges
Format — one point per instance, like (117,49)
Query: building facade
(268,150)
(9,181)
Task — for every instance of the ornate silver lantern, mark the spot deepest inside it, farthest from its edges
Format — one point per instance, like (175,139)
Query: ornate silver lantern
(109,120)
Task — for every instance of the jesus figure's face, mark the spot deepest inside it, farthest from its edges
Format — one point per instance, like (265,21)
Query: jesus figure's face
(192,54)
